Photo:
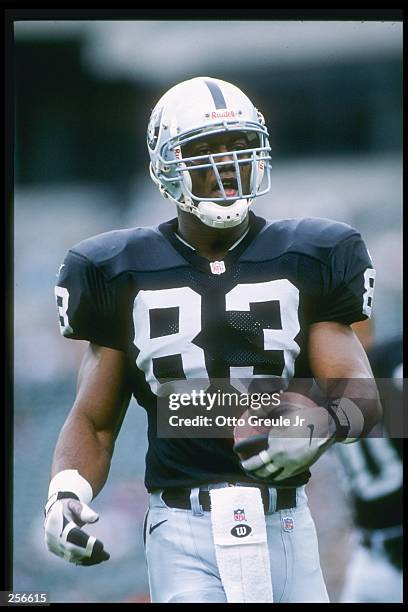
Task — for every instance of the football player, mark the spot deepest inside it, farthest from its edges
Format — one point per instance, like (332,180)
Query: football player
(373,478)
(216,293)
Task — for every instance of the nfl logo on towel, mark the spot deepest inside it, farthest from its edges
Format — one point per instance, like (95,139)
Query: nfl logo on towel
(239,514)
(288,523)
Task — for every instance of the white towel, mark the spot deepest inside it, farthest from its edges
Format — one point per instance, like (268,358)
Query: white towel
(240,541)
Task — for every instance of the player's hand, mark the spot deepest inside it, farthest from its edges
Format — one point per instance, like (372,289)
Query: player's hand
(64,536)
(278,452)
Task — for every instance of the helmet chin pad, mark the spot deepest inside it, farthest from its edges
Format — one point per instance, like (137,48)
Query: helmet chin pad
(215,215)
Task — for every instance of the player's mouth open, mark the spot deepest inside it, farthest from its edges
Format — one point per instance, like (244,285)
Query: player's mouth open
(230,188)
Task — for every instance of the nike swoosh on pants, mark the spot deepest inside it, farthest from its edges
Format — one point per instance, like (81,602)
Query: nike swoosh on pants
(153,527)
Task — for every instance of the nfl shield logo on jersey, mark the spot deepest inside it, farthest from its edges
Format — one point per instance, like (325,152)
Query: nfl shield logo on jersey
(217,267)
(239,514)
(288,523)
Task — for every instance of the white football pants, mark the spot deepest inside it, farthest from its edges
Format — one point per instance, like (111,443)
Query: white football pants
(181,556)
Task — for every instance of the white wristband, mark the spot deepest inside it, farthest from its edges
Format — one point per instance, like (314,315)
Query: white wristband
(71,480)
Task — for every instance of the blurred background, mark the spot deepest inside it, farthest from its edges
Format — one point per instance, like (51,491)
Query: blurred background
(331,94)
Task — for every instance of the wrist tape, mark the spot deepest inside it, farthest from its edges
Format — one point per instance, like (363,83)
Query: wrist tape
(69,482)
(348,418)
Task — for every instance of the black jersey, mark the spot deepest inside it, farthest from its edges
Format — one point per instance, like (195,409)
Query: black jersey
(373,466)
(145,292)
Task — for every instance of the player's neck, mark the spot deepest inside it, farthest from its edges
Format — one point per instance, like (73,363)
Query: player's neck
(209,242)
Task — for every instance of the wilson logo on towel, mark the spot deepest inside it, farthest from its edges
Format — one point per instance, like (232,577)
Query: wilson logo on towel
(241,531)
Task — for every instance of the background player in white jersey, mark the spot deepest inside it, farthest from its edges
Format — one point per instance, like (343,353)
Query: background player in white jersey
(215,293)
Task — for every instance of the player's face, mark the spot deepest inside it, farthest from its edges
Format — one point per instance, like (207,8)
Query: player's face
(204,181)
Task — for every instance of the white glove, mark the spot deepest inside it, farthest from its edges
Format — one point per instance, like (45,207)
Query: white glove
(66,511)
(277,452)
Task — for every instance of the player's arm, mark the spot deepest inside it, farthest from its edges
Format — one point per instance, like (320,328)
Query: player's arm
(87,438)
(350,408)
(83,454)
(341,368)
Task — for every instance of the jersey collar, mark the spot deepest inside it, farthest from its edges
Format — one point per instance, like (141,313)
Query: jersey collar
(169,231)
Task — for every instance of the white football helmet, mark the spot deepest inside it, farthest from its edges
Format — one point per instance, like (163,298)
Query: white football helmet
(188,111)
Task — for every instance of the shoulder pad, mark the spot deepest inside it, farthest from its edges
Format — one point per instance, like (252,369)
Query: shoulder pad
(313,236)
(136,249)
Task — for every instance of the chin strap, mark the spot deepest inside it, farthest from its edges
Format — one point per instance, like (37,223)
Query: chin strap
(215,215)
